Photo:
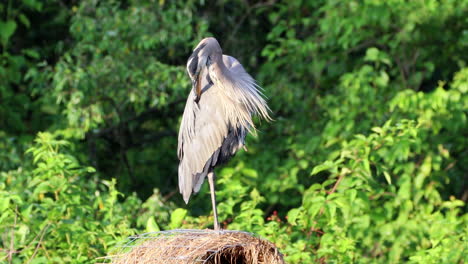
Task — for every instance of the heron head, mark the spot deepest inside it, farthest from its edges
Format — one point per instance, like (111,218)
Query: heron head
(202,57)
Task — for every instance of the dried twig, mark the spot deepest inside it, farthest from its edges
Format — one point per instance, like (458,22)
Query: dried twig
(43,232)
(196,246)
(11,251)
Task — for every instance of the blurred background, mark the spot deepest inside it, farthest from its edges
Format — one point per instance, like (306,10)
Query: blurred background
(365,162)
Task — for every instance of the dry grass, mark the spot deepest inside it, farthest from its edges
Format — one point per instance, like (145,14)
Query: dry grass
(196,246)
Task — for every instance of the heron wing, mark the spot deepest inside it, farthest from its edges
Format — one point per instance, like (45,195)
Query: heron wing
(233,65)
(242,88)
(201,135)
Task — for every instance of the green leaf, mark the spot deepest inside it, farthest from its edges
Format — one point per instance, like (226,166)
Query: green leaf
(151,225)
(324,166)
(6,30)
(387,177)
(24,20)
(372,54)
(42,188)
(331,210)
(4,203)
(382,79)
(31,53)
(377,130)
(34,4)
(293,215)
(177,217)
(250,172)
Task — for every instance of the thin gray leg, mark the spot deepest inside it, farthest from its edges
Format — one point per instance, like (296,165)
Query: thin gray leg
(211,181)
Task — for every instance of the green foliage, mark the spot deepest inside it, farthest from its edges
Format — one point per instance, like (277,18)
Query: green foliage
(48,211)
(22,60)
(121,62)
(376,183)
(365,162)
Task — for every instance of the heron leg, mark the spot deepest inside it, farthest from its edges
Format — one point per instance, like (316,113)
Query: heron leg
(211,181)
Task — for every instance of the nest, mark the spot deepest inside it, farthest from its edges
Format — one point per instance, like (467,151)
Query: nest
(196,246)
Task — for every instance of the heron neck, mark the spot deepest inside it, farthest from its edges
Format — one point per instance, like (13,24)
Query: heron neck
(220,63)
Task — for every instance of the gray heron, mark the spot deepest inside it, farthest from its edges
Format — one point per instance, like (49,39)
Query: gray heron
(217,117)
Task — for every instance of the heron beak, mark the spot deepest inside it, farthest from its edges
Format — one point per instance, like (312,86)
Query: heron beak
(198,85)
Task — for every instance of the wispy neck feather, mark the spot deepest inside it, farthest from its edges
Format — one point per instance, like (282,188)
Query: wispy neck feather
(241,88)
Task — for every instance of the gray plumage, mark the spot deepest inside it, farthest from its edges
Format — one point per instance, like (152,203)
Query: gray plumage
(217,116)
